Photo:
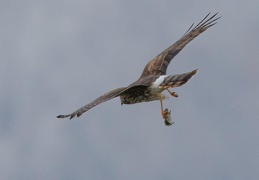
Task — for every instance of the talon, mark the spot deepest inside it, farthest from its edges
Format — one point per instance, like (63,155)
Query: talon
(164,113)
(167,117)
(174,94)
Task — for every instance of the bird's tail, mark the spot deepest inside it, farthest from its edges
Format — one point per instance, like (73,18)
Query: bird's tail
(177,80)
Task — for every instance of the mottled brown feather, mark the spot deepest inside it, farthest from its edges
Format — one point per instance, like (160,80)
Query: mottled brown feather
(159,64)
(154,68)
(105,97)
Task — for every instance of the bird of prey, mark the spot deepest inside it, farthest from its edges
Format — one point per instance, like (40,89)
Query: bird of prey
(153,80)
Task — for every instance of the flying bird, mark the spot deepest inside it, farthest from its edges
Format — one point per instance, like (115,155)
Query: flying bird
(153,80)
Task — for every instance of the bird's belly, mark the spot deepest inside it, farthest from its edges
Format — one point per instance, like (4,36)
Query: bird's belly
(128,99)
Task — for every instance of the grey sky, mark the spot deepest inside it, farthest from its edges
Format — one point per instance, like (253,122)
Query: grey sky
(57,56)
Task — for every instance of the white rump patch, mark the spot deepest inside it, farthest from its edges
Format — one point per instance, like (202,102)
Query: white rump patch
(155,85)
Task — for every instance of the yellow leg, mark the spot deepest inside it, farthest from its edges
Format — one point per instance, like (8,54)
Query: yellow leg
(166,115)
(172,93)
(161,105)
(163,112)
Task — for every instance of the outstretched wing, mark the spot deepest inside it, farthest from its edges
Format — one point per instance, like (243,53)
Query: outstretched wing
(105,97)
(159,64)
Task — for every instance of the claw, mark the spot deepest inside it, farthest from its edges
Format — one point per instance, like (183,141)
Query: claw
(167,117)
(172,93)
(164,113)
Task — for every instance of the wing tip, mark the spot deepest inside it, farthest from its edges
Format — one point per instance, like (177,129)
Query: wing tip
(195,71)
(66,116)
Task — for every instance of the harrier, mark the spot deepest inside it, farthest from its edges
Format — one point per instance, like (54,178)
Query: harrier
(153,80)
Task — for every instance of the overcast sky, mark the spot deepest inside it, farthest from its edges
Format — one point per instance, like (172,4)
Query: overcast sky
(57,56)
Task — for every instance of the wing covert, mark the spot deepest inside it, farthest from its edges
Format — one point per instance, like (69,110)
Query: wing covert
(105,97)
(159,64)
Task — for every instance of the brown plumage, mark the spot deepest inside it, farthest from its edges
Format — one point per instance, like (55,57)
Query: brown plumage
(153,79)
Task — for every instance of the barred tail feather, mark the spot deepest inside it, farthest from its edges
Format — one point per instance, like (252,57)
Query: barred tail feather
(178,80)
